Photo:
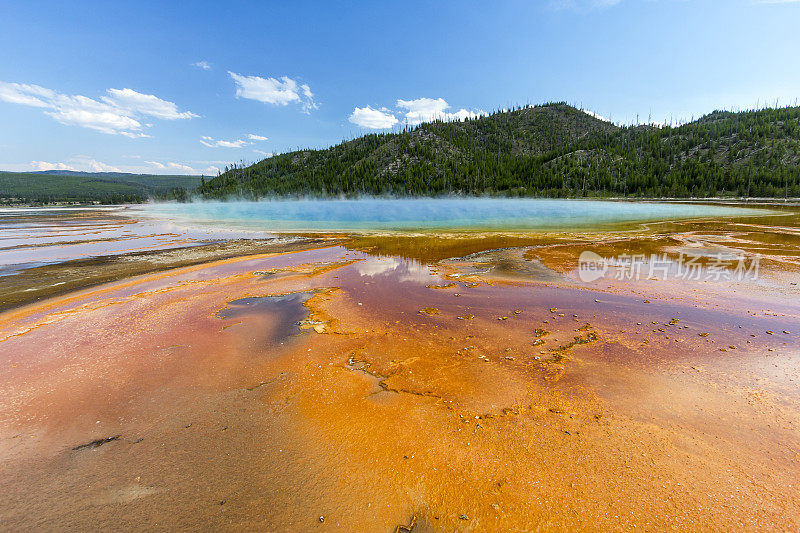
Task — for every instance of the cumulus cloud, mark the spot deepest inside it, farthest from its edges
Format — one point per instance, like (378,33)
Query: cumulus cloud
(78,163)
(595,115)
(94,165)
(429,109)
(84,163)
(375,119)
(171,167)
(254,137)
(119,112)
(217,143)
(204,65)
(274,91)
(262,153)
(44,165)
(145,104)
(414,112)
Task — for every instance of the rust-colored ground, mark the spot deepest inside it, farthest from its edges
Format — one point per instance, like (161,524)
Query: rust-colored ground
(357,388)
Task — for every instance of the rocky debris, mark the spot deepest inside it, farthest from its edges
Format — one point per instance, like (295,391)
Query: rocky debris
(317,325)
(586,339)
(429,311)
(97,443)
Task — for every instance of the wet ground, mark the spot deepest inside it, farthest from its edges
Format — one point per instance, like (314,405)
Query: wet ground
(421,382)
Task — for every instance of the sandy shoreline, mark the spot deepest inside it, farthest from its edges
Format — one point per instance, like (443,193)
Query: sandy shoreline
(450,383)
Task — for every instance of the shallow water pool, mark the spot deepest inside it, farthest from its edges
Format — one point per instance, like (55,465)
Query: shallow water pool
(378,214)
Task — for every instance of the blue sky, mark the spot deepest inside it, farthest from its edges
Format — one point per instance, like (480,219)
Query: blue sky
(140,87)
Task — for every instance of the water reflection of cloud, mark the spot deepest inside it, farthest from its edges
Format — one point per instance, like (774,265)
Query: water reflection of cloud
(375,266)
(402,270)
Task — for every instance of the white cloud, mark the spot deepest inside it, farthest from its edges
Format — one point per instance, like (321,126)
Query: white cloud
(595,115)
(376,119)
(274,91)
(308,99)
(44,165)
(264,154)
(202,65)
(177,167)
(94,165)
(170,167)
(216,143)
(84,163)
(78,163)
(118,113)
(427,109)
(145,104)
(25,94)
(238,143)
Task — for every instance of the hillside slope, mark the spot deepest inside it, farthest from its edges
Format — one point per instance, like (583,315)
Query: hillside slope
(552,150)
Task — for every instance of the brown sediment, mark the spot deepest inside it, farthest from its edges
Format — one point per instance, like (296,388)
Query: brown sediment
(380,417)
(38,283)
(445,286)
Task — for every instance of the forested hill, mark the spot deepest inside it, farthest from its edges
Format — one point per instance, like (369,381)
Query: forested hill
(551,150)
(61,186)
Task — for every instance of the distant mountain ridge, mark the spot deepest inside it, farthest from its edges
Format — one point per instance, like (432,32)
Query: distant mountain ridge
(550,150)
(66,186)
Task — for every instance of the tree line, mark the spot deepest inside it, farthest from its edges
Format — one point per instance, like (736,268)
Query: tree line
(551,150)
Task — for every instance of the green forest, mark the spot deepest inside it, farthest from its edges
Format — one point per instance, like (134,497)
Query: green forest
(105,188)
(550,150)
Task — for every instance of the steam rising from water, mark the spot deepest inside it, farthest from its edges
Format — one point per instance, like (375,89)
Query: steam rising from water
(381,214)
